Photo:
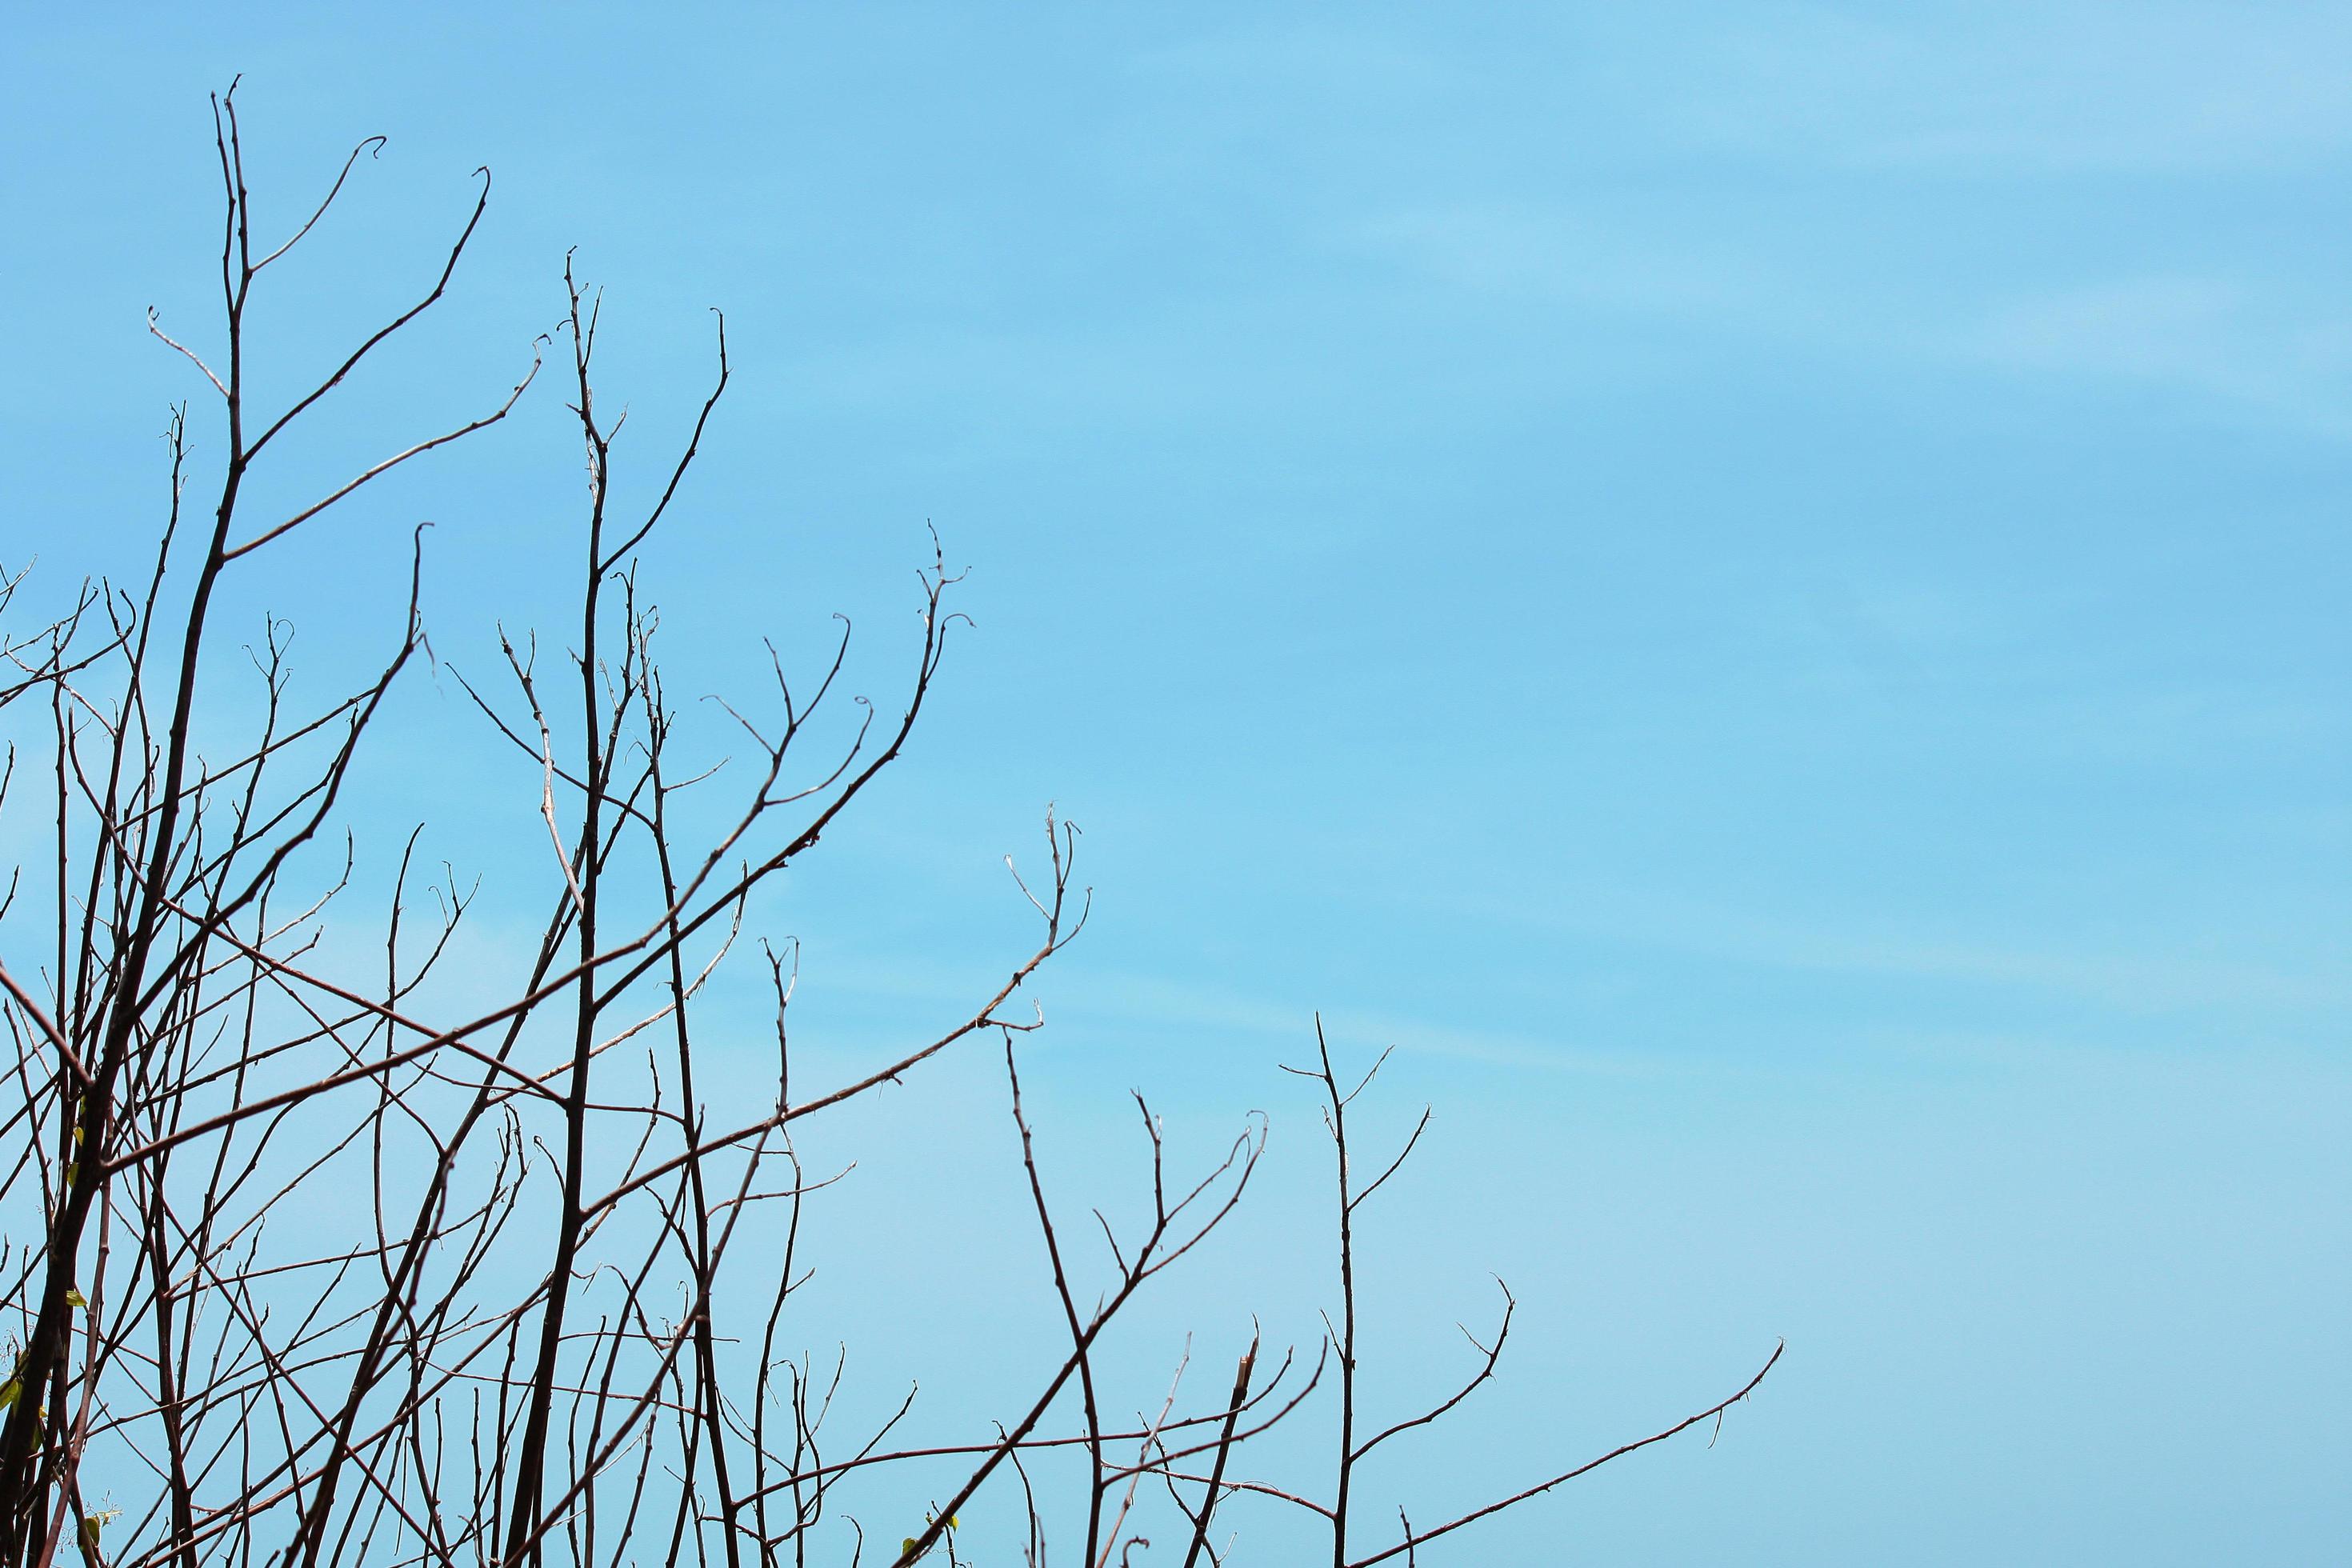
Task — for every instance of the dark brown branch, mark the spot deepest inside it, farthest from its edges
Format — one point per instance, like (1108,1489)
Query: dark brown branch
(1225,1452)
(1685,1425)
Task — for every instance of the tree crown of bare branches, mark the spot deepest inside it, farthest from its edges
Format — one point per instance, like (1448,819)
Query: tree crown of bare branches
(192,1066)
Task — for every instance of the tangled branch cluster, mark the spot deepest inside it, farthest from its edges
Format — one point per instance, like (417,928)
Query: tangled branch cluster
(299,1272)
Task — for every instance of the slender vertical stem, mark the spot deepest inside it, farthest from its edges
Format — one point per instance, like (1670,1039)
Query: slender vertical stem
(1347,1306)
(1224,1450)
(523,1532)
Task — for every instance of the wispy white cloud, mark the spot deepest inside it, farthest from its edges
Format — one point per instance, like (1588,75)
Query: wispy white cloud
(2042,88)
(1287,1030)
(2036,88)
(1867,114)
(1548,252)
(2153,979)
(2220,338)
(1292,53)
(2278,349)
(1690,934)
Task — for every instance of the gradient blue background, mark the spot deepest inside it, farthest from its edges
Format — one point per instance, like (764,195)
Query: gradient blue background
(1760,589)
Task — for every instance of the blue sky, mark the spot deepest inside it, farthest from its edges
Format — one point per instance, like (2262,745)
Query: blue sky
(1757,588)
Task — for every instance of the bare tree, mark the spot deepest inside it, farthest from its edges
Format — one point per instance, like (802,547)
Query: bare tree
(304,1268)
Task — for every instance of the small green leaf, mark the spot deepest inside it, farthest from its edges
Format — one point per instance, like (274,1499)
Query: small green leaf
(905,1546)
(90,1525)
(74,1297)
(952,1523)
(8,1392)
